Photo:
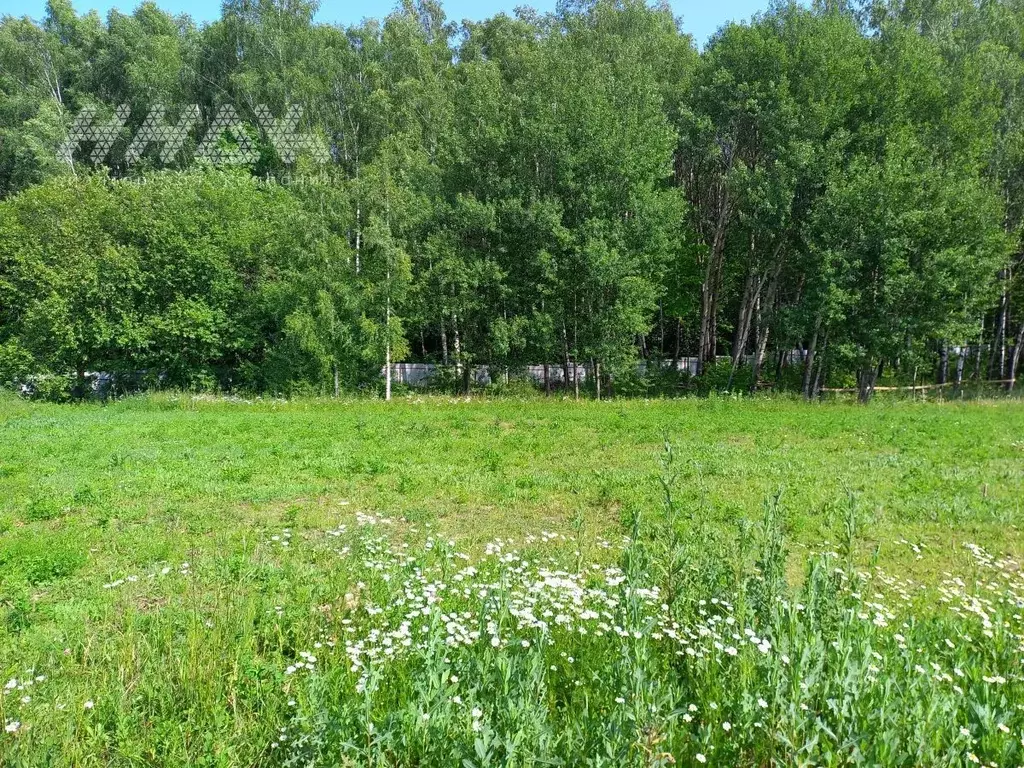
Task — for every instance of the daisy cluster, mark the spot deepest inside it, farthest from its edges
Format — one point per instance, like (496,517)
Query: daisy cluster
(17,693)
(184,569)
(749,677)
(20,695)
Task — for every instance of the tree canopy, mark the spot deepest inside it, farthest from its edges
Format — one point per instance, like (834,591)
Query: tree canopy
(820,196)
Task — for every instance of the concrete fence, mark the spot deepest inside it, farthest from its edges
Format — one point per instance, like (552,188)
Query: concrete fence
(420,374)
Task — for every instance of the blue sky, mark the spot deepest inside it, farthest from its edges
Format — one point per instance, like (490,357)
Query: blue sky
(700,17)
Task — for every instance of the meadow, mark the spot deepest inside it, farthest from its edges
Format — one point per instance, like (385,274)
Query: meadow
(189,580)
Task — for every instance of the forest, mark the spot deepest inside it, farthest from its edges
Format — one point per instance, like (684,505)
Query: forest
(825,196)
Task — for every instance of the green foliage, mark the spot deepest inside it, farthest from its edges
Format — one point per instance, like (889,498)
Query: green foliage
(202,273)
(582,186)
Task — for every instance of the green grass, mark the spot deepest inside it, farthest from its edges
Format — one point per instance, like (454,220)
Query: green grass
(101,508)
(148,479)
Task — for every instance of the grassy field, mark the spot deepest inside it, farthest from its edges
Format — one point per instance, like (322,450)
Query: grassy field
(170,565)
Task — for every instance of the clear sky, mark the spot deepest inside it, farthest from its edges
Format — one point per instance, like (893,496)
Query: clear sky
(700,17)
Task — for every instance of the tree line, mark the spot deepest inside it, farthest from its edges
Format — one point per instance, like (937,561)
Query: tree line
(820,197)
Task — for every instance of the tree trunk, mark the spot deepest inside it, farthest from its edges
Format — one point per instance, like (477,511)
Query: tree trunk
(565,358)
(444,345)
(547,382)
(819,373)
(597,379)
(337,383)
(458,344)
(978,352)
(997,355)
(866,379)
(359,231)
(709,289)
(1015,358)
(679,342)
(764,325)
(745,307)
(576,347)
(759,354)
(809,359)
(751,290)
(661,330)
(943,362)
(387,352)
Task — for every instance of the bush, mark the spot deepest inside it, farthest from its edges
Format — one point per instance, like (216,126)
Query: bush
(15,362)
(519,385)
(50,388)
(444,379)
(715,378)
